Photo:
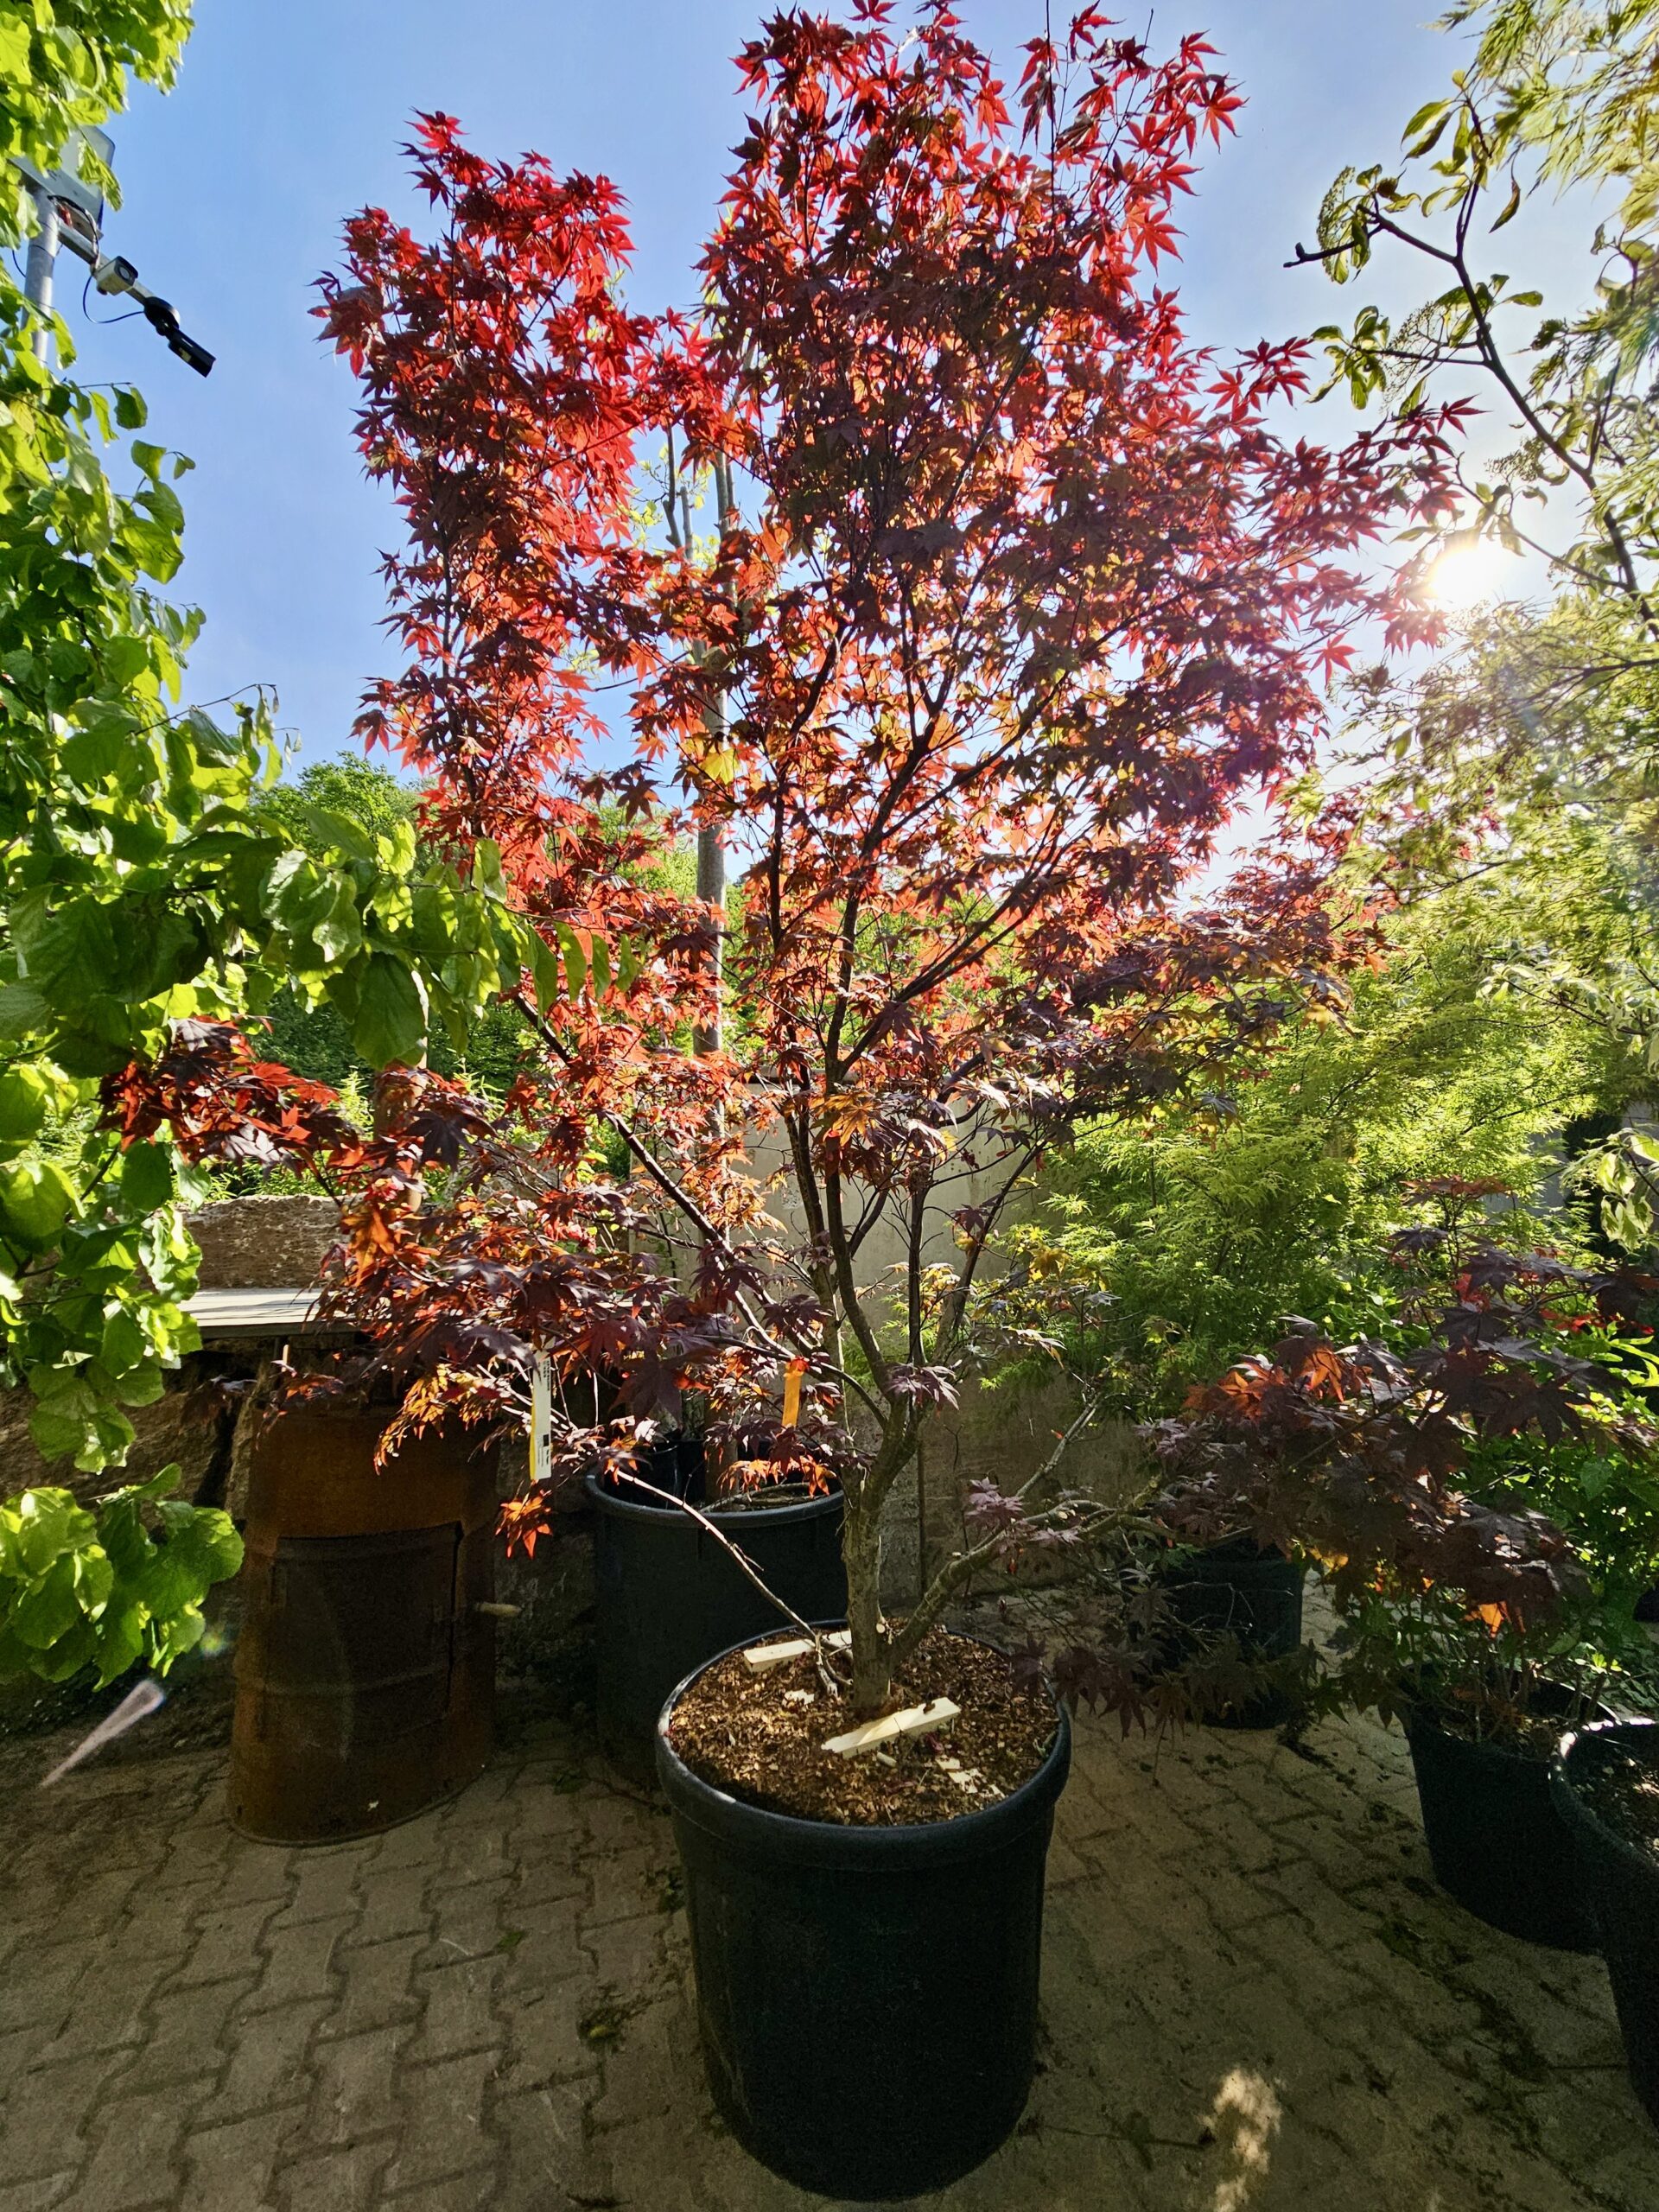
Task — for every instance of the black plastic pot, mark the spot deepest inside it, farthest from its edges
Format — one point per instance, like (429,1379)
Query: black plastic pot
(1499,1846)
(1621,1886)
(1255,1595)
(674,1465)
(867,1996)
(668,1597)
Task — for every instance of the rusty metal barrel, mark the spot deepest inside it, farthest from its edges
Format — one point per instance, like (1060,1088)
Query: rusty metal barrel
(364,1670)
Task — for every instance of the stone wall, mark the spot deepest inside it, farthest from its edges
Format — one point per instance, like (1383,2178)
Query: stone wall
(252,1243)
(255,1243)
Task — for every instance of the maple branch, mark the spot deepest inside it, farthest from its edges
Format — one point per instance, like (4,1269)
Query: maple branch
(1490,356)
(678,1196)
(950,1328)
(852,1305)
(913,1275)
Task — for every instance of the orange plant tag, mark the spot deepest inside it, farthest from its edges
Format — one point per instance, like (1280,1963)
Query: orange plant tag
(792,1375)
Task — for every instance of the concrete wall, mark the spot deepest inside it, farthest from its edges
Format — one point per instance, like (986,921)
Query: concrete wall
(1001,1436)
(882,1257)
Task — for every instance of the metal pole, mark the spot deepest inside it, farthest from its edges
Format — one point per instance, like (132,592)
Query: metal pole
(37,276)
(711,845)
(711,887)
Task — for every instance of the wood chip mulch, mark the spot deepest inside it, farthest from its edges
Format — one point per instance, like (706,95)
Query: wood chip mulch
(760,1738)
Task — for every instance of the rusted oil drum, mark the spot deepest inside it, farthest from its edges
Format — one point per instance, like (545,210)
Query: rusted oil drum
(365,1670)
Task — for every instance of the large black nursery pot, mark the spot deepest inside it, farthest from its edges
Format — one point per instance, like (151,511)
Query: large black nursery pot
(1238,1589)
(1621,1883)
(867,1996)
(668,1596)
(1499,1845)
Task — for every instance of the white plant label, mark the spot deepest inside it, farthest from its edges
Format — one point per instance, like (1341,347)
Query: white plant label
(541,1421)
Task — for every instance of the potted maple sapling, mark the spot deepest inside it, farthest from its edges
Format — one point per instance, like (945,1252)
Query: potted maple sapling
(1221,1612)
(365,1661)
(1462,1609)
(1010,600)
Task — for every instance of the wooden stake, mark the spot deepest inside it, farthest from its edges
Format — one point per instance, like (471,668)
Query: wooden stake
(915,1720)
(761,1658)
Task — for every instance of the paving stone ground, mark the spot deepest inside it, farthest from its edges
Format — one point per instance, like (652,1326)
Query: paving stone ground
(1255,2000)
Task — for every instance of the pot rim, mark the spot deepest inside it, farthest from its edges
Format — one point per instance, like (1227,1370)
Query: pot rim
(800,1509)
(1232,1551)
(1568,1801)
(866,1848)
(1423,1712)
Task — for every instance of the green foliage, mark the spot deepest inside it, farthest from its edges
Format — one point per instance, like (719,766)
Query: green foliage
(101,779)
(146,875)
(1191,1236)
(1560,94)
(1604,1498)
(1501,771)
(348,789)
(66,63)
(1532,751)
(328,802)
(102,1589)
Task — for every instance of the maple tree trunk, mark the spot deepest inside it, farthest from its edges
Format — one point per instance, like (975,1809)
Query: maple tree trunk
(709,1037)
(860,1545)
(860,1549)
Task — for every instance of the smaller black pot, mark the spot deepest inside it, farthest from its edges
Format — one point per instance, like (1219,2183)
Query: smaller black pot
(1255,1595)
(669,1596)
(674,1464)
(1499,1846)
(867,1996)
(1621,1884)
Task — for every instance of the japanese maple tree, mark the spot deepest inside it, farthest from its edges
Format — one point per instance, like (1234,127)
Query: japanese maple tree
(1402,1463)
(1010,600)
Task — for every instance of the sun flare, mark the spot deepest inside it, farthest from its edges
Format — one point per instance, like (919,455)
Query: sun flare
(1471,572)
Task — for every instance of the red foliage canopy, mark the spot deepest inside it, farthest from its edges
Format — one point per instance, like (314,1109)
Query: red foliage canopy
(1019,597)
(1358,1450)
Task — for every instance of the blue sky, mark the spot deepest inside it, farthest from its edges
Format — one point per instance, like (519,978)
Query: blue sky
(289,113)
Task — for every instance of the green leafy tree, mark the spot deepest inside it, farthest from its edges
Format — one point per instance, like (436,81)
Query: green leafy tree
(1476,782)
(1185,1240)
(144,884)
(347,785)
(313,1036)
(98,775)
(1530,753)
(1557,94)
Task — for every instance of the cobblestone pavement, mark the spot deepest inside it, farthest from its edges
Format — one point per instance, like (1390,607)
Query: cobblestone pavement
(1255,2000)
